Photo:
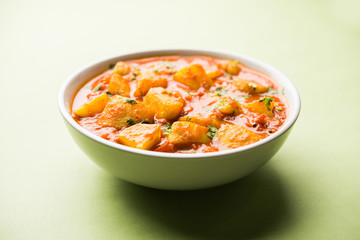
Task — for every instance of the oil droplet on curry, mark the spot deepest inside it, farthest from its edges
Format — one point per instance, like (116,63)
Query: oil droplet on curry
(183,104)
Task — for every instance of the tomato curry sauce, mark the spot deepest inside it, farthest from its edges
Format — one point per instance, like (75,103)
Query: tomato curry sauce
(184,104)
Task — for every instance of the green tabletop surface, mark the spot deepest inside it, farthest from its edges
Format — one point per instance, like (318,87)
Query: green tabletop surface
(50,190)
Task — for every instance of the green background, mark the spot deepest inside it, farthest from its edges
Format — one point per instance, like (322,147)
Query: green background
(50,190)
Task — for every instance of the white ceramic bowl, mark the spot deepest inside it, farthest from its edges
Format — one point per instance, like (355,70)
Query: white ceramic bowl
(174,170)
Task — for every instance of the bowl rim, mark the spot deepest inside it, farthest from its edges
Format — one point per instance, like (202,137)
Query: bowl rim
(165,51)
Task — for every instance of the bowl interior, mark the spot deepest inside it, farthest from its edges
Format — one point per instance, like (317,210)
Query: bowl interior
(75,81)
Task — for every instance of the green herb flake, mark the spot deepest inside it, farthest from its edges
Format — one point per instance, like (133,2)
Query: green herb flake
(222,102)
(131,121)
(268,101)
(212,131)
(168,64)
(155,70)
(220,92)
(253,85)
(111,66)
(136,71)
(279,109)
(235,63)
(97,88)
(214,107)
(189,93)
(188,119)
(168,129)
(109,94)
(274,91)
(129,100)
(241,98)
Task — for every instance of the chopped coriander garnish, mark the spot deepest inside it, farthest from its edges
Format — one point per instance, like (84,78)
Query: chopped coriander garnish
(212,131)
(268,101)
(131,121)
(168,64)
(273,91)
(112,65)
(97,88)
(168,129)
(212,108)
(222,102)
(190,94)
(155,70)
(279,109)
(129,100)
(109,94)
(253,85)
(188,119)
(220,92)
(136,71)
(241,98)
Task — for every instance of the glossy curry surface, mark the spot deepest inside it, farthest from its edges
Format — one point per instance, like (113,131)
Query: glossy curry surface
(181,104)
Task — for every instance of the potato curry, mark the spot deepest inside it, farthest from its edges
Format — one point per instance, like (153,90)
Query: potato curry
(183,104)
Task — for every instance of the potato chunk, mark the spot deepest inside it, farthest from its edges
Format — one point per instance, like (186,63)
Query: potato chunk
(147,80)
(93,107)
(249,86)
(164,104)
(232,67)
(233,136)
(263,106)
(119,85)
(214,73)
(120,110)
(187,132)
(122,68)
(142,136)
(202,119)
(227,106)
(193,76)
